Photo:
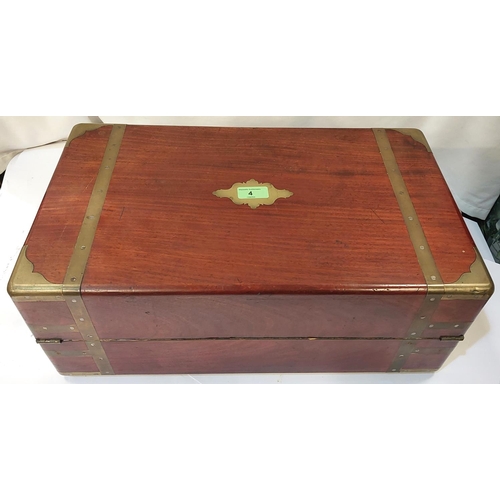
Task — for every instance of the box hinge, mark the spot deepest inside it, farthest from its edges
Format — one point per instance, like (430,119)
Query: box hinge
(453,338)
(49,341)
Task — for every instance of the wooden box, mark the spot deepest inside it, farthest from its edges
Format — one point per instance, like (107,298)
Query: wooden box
(162,250)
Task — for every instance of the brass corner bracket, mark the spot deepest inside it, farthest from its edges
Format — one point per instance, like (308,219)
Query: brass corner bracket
(474,284)
(80,129)
(27,285)
(416,134)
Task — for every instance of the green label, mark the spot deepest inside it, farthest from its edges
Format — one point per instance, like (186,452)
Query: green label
(253,193)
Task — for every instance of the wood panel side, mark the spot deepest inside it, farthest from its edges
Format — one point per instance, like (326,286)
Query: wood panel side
(263,356)
(49,320)
(228,316)
(70,357)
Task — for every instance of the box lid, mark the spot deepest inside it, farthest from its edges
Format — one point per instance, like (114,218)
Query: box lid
(179,210)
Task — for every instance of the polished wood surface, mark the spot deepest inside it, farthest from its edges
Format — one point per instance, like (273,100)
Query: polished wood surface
(265,356)
(163,231)
(449,240)
(49,320)
(228,316)
(53,236)
(70,357)
(430,356)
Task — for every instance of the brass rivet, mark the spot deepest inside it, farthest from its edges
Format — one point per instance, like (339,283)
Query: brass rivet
(417,350)
(92,345)
(422,317)
(71,327)
(433,278)
(456,326)
(44,327)
(422,247)
(431,326)
(91,217)
(83,247)
(410,218)
(433,299)
(413,333)
(401,355)
(73,300)
(81,319)
(73,279)
(394,369)
(101,359)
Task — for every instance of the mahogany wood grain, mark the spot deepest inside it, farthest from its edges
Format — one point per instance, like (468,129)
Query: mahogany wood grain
(49,320)
(430,356)
(54,232)
(264,356)
(228,316)
(163,231)
(458,310)
(449,240)
(68,357)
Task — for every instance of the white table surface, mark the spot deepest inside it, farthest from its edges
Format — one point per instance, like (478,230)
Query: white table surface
(475,360)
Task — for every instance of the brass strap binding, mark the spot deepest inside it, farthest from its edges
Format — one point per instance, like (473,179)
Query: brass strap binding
(435,285)
(78,262)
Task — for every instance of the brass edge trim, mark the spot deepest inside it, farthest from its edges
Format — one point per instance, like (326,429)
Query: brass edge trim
(434,281)
(410,217)
(416,134)
(67,354)
(25,285)
(79,374)
(80,129)
(78,262)
(47,329)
